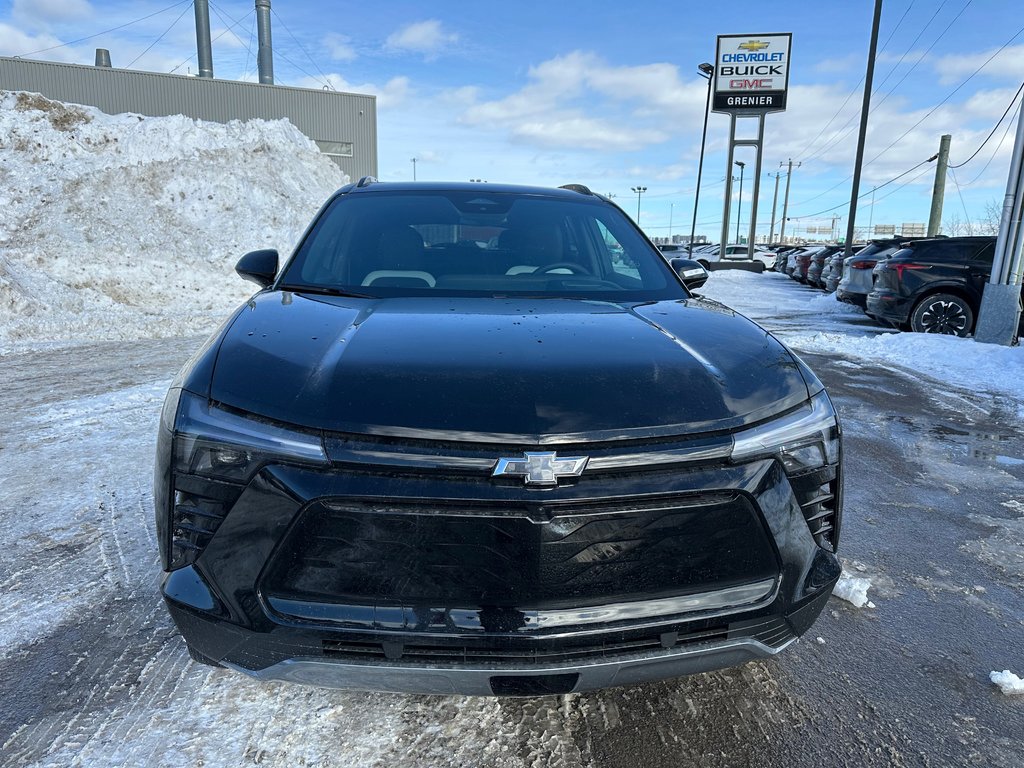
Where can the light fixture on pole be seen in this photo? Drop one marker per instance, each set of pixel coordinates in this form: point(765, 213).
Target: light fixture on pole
point(639, 191)
point(739, 206)
point(707, 71)
point(413, 160)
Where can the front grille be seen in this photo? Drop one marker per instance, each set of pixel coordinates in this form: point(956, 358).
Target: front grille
point(510, 652)
point(772, 631)
point(441, 555)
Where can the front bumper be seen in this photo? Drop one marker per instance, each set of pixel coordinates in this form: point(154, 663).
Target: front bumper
point(238, 605)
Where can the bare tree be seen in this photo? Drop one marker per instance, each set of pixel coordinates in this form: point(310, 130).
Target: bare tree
point(989, 222)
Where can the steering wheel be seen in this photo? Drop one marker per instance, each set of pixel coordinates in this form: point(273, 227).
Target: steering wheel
point(572, 266)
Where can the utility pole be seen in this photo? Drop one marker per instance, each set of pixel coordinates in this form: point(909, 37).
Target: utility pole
point(869, 77)
point(939, 190)
point(1000, 301)
point(775, 205)
point(785, 200)
point(671, 213)
point(639, 191)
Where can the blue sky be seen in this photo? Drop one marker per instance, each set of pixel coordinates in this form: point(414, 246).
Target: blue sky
point(608, 94)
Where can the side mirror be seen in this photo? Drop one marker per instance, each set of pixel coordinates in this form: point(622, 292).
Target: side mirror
point(693, 274)
point(259, 267)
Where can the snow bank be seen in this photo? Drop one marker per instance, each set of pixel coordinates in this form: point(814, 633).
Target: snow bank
point(124, 226)
point(1008, 682)
point(986, 367)
point(853, 589)
point(810, 321)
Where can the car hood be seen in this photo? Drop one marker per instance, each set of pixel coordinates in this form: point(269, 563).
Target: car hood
point(528, 370)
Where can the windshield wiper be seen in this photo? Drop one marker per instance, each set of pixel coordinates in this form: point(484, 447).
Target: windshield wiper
point(324, 290)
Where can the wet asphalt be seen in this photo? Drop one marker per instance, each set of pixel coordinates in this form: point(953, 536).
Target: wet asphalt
point(934, 516)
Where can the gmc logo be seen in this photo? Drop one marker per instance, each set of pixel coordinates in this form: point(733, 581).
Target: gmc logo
point(739, 85)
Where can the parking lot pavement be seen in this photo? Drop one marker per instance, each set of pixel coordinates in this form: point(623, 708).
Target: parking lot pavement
point(92, 672)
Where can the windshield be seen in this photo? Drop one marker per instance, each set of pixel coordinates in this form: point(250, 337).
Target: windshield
point(469, 243)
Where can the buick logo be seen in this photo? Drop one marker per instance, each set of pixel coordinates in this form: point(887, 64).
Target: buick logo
point(541, 468)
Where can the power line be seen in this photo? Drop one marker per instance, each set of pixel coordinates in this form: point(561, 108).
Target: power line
point(857, 86)
point(865, 194)
point(104, 32)
point(214, 40)
point(231, 26)
point(302, 48)
point(162, 34)
point(948, 97)
point(994, 129)
point(848, 125)
point(995, 151)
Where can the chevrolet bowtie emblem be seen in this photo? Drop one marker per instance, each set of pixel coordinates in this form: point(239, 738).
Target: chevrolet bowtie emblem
point(753, 45)
point(541, 468)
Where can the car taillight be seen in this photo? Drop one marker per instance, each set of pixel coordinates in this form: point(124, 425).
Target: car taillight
point(862, 264)
point(899, 268)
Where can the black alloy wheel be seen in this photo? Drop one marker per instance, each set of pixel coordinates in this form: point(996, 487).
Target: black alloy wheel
point(943, 313)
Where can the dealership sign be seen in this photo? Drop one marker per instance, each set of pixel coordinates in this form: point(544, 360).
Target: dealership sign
point(752, 73)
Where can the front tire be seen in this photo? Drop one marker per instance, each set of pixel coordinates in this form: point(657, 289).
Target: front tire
point(942, 313)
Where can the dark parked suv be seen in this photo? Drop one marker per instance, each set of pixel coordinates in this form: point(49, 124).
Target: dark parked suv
point(933, 285)
point(483, 439)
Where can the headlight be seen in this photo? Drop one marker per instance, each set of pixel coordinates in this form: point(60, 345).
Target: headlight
point(213, 442)
point(804, 439)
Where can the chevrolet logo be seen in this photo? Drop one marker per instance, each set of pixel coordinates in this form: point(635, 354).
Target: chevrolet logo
point(753, 45)
point(541, 468)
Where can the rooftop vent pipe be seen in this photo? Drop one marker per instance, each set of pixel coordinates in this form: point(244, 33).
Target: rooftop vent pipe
point(265, 56)
point(203, 47)
point(102, 57)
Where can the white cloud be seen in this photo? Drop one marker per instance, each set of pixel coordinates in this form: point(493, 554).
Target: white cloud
point(339, 47)
point(578, 100)
point(1007, 65)
point(390, 95)
point(15, 42)
point(42, 12)
point(427, 37)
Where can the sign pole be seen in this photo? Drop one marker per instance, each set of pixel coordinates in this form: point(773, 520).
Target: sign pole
point(727, 207)
point(757, 189)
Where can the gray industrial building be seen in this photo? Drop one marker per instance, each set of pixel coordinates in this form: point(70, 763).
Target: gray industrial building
point(343, 125)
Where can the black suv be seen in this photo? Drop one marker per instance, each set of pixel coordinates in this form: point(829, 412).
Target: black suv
point(482, 439)
point(933, 285)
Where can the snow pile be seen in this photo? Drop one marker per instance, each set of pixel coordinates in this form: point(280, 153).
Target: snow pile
point(1008, 682)
point(986, 367)
point(123, 226)
point(810, 321)
point(853, 589)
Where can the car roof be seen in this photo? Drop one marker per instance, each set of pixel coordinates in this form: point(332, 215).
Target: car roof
point(369, 185)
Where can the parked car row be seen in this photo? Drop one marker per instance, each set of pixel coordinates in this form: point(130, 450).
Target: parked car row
point(712, 252)
point(927, 285)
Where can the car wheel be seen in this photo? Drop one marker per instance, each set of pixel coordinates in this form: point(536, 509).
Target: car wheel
point(942, 313)
point(201, 658)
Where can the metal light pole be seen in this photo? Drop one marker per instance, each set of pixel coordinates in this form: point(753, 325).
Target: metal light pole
point(671, 213)
point(739, 206)
point(639, 191)
point(413, 160)
point(707, 71)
